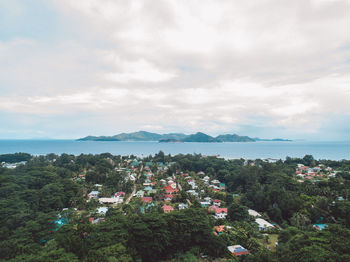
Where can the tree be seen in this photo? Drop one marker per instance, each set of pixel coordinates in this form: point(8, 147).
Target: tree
point(236, 212)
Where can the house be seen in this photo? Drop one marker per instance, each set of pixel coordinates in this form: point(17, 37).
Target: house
point(146, 199)
point(200, 173)
point(220, 213)
point(120, 194)
point(172, 184)
point(192, 192)
point(217, 202)
point(220, 229)
point(170, 190)
point(98, 185)
point(168, 197)
point(148, 188)
point(205, 203)
point(222, 186)
point(167, 208)
point(253, 213)
point(111, 200)
point(102, 210)
point(237, 250)
point(320, 227)
point(93, 194)
point(182, 206)
point(148, 164)
point(140, 193)
point(215, 181)
point(263, 224)
point(145, 208)
point(208, 199)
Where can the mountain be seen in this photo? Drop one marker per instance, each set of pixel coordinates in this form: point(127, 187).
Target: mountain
point(138, 136)
point(234, 138)
point(98, 138)
point(176, 137)
point(135, 136)
point(273, 140)
point(199, 137)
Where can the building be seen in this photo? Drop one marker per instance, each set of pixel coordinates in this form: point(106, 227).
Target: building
point(168, 197)
point(140, 193)
point(320, 226)
point(220, 213)
point(170, 190)
point(93, 194)
point(182, 206)
point(167, 208)
point(238, 250)
point(220, 229)
point(217, 202)
point(102, 210)
point(111, 200)
point(253, 213)
point(120, 194)
point(263, 224)
point(205, 203)
point(148, 188)
point(146, 199)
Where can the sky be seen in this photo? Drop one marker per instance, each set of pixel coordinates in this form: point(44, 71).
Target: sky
point(263, 68)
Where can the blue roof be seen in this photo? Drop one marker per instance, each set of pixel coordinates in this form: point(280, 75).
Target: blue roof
point(148, 188)
point(320, 226)
point(240, 249)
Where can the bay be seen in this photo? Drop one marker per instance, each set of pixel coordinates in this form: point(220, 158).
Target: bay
point(320, 150)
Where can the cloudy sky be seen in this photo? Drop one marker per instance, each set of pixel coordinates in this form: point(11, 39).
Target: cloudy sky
point(267, 68)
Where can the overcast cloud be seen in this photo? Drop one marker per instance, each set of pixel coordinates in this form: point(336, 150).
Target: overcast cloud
point(268, 68)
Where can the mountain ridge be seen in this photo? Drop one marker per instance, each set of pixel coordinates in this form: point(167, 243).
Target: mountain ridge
point(175, 137)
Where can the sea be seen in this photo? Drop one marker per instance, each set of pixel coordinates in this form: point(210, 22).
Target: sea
point(247, 150)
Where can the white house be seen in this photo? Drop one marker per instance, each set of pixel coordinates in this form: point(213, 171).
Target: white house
point(93, 194)
point(183, 206)
point(263, 224)
point(102, 210)
point(220, 213)
point(111, 200)
point(253, 213)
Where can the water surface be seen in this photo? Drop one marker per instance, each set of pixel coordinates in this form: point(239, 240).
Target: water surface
point(320, 150)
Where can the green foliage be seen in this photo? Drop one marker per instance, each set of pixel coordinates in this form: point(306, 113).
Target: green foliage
point(32, 197)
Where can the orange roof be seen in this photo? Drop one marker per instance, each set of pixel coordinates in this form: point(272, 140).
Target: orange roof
point(220, 228)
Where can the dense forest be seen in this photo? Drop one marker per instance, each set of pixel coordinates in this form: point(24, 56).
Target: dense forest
point(36, 196)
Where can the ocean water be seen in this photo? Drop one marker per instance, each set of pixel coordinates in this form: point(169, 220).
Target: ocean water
point(320, 150)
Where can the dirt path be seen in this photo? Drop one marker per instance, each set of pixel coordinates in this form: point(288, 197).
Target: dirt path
point(134, 190)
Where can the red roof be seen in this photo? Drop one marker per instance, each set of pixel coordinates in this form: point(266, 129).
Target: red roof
point(146, 199)
point(170, 190)
point(120, 194)
point(167, 208)
point(217, 201)
point(169, 196)
point(221, 210)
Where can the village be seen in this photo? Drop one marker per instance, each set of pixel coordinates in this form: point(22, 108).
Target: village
point(154, 189)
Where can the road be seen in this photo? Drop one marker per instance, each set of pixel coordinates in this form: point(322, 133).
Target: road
point(134, 190)
point(180, 188)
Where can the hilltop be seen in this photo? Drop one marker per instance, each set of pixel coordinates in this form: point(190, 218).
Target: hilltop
point(175, 137)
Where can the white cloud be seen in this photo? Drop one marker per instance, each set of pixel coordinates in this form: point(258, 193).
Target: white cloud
point(186, 65)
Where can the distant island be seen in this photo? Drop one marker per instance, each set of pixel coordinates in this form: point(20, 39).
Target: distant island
point(176, 138)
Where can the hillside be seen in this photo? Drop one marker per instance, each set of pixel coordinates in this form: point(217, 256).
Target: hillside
point(176, 137)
